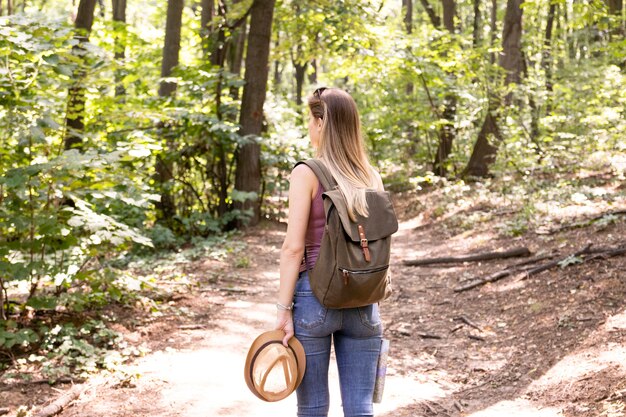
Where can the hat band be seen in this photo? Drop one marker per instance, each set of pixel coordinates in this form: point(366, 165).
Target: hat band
point(291, 383)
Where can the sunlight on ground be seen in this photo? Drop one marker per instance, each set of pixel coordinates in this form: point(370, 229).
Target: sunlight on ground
point(402, 391)
point(207, 379)
point(572, 371)
point(517, 408)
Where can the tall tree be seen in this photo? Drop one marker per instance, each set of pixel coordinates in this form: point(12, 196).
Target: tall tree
point(171, 50)
point(76, 94)
point(206, 20)
point(432, 15)
point(407, 8)
point(119, 20)
point(615, 10)
point(546, 59)
point(248, 174)
point(446, 132)
point(171, 47)
point(476, 24)
point(512, 62)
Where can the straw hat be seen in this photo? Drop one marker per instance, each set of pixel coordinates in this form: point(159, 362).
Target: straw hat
point(272, 370)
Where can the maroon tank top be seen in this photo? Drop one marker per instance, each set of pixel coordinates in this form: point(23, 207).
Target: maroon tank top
point(314, 230)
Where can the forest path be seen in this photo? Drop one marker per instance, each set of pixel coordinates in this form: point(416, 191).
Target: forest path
point(553, 345)
point(199, 372)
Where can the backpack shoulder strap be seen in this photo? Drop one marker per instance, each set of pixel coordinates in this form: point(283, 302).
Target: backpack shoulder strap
point(322, 173)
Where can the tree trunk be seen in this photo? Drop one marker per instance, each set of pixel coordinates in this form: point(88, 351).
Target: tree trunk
point(407, 7)
point(615, 9)
point(449, 11)
point(76, 94)
point(300, 73)
point(218, 48)
point(119, 18)
point(171, 47)
point(546, 59)
point(236, 56)
point(476, 24)
point(313, 74)
point(446, 132)
point(512, 61)
point(277, 69)
point(9, 7)
point(248, 174)
point(484, 153)
point(206, 17)
point(434, 19)
point(493, 24)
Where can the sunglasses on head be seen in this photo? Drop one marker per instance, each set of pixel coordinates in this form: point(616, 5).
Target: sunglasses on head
point(318, 92)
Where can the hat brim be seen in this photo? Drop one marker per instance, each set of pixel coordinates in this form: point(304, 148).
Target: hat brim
point(274, 336)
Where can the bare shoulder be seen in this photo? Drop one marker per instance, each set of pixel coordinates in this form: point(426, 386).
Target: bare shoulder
point(303, 178)
point(303, 173)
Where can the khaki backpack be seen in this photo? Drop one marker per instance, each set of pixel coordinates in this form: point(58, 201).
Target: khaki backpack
point(351, 269)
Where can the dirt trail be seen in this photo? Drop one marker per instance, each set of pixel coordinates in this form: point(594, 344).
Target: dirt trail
point(200, 372)
point(553, 345)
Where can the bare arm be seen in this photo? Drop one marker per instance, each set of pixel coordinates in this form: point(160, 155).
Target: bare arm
point(302, 188)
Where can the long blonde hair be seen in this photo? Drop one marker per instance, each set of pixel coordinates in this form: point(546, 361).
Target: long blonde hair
point(341, 146)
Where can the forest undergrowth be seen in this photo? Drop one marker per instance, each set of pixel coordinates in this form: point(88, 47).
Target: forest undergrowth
point(547, 212)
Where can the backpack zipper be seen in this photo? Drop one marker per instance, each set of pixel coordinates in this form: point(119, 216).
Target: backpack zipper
point(346, 272)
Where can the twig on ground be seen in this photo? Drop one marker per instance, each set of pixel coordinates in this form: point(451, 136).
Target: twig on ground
point(486, 256)
point(428, 336)
point(476, 337)
point(464, 319)
point(66, 399)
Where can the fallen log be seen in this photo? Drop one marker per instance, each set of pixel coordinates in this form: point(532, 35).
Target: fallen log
point(485, 256)
point(534, 270)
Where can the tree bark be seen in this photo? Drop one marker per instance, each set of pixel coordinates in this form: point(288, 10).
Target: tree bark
point(171, 47)
point(447, 132)
point(615, 9)
point(434, 19)
point(313, 74)
point(546, 58)
point(248, 174)
point(76, 94)
point(493, 24)
point(300, 73)
point(476, 24)
point(236, 56)
point(407, 6)
point(119, 18)
point(449, 11)
point(484, 153)
point(206, 18)
point(512, 61)
point(277, 68)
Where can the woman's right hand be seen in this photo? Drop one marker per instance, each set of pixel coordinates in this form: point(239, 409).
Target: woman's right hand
point(284, 322)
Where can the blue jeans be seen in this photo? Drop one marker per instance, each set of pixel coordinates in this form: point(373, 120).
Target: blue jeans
point(357, 334)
